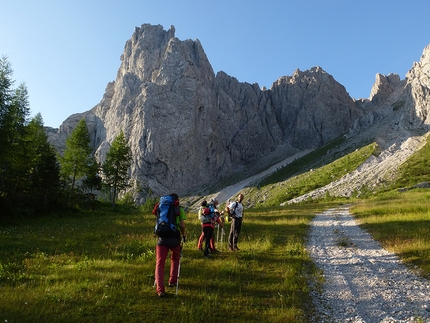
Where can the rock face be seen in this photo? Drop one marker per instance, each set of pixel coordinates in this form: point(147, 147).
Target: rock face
point(383, 87)
point(416, 96)
point(188, 127)
point(312, 108)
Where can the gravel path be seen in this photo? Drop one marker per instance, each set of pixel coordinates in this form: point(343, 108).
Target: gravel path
point(363, 281)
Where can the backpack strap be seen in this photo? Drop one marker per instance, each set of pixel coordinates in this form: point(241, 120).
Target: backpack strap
point(234, 209)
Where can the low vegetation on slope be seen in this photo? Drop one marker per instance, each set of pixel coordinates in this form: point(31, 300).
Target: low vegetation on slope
point(416, 169)
point(277, 193)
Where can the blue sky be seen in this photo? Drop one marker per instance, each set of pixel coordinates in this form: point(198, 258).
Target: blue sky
point(67, 51)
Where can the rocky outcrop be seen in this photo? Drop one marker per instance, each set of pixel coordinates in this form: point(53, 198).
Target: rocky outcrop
point(312, 108)
point(384, 85)
point(188, 127)
point(416, 96)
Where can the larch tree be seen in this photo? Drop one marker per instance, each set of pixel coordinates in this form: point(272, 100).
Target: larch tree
point(115, 168)
point(29, 170)
point(78, 156)
point(44, 174)
point(14, 111)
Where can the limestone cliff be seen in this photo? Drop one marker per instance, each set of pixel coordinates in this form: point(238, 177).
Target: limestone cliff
point(188, 127)
point(416, 96)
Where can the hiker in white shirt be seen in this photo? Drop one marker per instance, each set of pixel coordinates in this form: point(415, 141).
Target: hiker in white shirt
point(235, 211)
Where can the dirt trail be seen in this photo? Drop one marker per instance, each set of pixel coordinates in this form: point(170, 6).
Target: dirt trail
point(363, 281)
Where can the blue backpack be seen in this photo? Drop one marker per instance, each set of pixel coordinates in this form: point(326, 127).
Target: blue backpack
point(166, 218)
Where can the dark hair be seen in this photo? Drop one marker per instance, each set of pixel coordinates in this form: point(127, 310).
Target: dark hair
point(204, 203)
point(174, 196)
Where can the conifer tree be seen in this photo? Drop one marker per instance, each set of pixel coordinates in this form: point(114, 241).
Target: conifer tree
point(115, 168)
point(77, 158)
point(44, 174)
point(14, 111)
point(93, 181)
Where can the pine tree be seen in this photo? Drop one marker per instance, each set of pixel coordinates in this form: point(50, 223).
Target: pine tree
point(115, 168)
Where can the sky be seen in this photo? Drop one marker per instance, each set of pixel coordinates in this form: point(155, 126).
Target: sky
point(66, 52)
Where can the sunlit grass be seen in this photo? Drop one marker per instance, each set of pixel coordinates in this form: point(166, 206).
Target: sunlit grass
point(98, 267)
point(280, 190)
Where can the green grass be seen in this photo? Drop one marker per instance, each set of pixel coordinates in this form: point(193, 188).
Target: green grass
point(302, 164)
point(99, 267)
point(416, 169)
point(275, 194)
point(401, 222)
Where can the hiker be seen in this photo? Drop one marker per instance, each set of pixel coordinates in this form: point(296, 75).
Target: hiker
point(202, 236)
point(209, 216)
point(235, 211)
point(172, 243)
point(203, 209)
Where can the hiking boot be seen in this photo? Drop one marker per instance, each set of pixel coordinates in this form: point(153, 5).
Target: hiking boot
point(172, 284)
point(206, 253)
point(236, 248)
point(162, 294)
point(231, 248)
point(214, 251)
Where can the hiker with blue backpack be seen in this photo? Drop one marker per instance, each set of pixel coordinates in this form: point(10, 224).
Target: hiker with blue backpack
point(235, 212)
point(169, 228)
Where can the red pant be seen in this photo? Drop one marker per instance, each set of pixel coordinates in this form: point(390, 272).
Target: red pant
point(161, 256)
point(202, 238)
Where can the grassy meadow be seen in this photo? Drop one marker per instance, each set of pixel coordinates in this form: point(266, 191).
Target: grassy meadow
point(99, 267)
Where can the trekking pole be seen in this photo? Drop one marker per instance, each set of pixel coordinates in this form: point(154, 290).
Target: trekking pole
point(222, 235)
point(217, 233)
point(179, 271)
point(155, 277)
point(233, 223)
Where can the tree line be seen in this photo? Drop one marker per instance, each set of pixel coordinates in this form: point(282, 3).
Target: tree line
point(34, 177)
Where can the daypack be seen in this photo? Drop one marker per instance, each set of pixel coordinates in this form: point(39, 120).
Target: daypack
point(232, 213)
point(206, 214)
point(166, 218)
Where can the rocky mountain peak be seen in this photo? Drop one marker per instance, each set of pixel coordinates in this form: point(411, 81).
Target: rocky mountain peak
point(416, 96)
point(188, 128)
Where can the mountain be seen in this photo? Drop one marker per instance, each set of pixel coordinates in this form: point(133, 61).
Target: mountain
point(190, 128)
point(397, 119)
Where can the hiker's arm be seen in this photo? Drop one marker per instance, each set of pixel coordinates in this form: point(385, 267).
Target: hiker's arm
point(182, 227)
point(228, 210)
